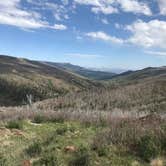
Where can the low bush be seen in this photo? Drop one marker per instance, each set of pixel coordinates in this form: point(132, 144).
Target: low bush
point(163, 140)
point(80, 158)
point(39, 119)
point(61, 131)
point(47, 159)
point(15, 125)
point(100, 144)
point(48, 118)
point(3, 161)
point(57, 119)
point(34, 149)
point(148, 148)
point(102, 151)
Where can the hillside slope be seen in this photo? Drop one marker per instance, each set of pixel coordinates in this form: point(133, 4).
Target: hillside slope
point(22, 77)
point(139, 91)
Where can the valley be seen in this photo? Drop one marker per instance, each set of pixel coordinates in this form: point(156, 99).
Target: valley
point(50, 115)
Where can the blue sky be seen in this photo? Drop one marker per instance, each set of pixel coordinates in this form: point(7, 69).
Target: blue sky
point(128, 34)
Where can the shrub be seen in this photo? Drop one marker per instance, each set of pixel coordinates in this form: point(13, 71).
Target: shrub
point(61, 131)
point(81, 158)
point(86, 123)
point(163, 143)
point(44, 118)
point(34, 149)
point(102, 151)
point(163, 140)
point(100, 144)
point(47, 159)
point(3, 161)
point(147, 148)
point(57, 119)
point(102, 122)
point(39, 119)
point(15, 125)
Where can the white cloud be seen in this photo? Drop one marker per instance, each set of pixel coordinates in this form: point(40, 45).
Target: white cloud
point(59, 11)
point(104, 21)
point(59, 27)
point(113, 6)
point(156, 53)
point(118, 26)
point(88, 2)
point(135, 7)
point(148, 34)
point(65, 2)
point(104, 9)
point(11, 13)
point(162, 6)
point(104, 37)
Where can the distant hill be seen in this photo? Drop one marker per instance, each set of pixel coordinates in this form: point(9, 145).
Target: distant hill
point(91, 74)
point(21, 77)
point(147, 74)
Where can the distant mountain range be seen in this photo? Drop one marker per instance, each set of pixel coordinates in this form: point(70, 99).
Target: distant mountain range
point(89, 73)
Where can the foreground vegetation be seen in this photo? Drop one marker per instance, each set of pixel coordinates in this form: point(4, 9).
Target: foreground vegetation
point(146, 97)
point(120, 126)
point(55, 140)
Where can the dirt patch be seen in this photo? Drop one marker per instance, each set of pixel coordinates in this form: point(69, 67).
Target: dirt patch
point(7, 143)
point(6, 133)
point(26, 163)
point(17, 132)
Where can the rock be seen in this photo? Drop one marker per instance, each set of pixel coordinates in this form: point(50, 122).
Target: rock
point(26, 163)
point(70, 149)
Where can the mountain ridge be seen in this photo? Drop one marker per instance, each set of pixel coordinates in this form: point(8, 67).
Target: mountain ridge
point(20, 76)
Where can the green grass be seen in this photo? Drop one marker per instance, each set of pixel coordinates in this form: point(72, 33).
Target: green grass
point(14, 125)
point(46, 142)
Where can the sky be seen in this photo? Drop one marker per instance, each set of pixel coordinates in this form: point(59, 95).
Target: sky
point(126, 34)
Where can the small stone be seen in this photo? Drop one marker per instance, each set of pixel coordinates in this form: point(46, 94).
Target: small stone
point(70, 149)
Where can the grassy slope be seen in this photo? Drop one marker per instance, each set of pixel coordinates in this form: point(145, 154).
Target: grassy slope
point(19, 77)
point(138, 91)
point(149, 96)
point(76, 135)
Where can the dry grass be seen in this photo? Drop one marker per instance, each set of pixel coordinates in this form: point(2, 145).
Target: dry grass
point(139, 98)
point(108, 105)
point(157, 162)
